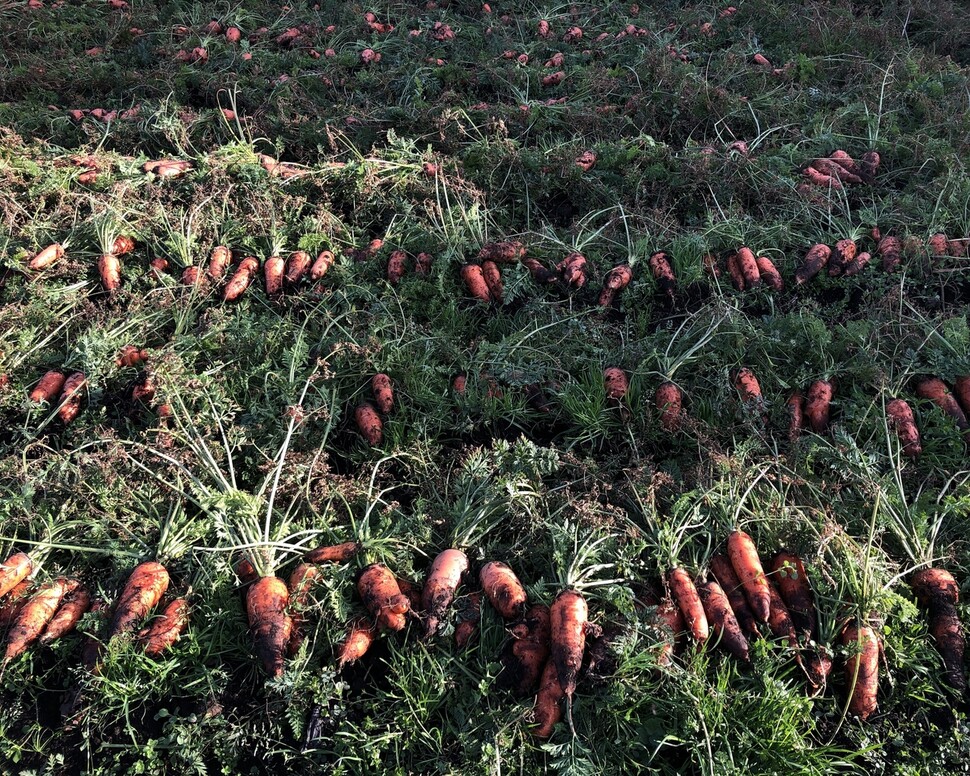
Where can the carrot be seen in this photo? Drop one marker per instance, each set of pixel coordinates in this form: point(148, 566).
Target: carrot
point(569, 621)
point(848, 164)
point(615, 281)
point(493, 279)
point(131, 356)
point(323, 263)
point(266, 603)
point(957, 248)
point(13, 571)
point(938, 245)
point(685, 594)
point(816, 258)
point(123, 244)
point(159, 266)
point(396, 265)
point(526, 654)
point(439, 588)
point(779, 619)
point(422, 263)
point(818, 178)
point(845, 251)
point(412, 591)
point(788, 574)
point(748, 266)
point(219, 261)
point(548, 708)
point(817, 664)
point(246, 571)
point(110, 269)
point(302, 578)
point(722, 620)
point(383, 392)
point(48, 256)
point(369, 424)
point(297, 265)
point(165, 629)
point(93, 647)
point(273, 272)
point(49, 387)
point(361, 634)
point(14, 603)
point(747, 565)
point(382, 596)
point(891, 251)
point(868, 165)
point(71, 397)
point(769, 274)
point(938, 590)
point(144, 589)
point(34, 616)
point(459, 384)
point(240, 281)
point(663, 272)
point(734, 270)
point(859, 263)
point(616, 382)
point(76, 602)
point(726, 577)
point(818, 405)
point(503, 588)
point(902, 420)
point(669, 615)
point(838, 168)
point(475, 282)
point(538, 271)
point(669, 401)
point(192, 276)
point(861, 669)
point(962, 389)
point(337, 553)
point(470, 616)
point(935, 390)
point(572, 269)
point(750, 391)
point(796, 415)
point(502, 252)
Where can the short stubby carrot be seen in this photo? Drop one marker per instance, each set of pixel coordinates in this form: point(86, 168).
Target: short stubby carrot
point(770, 274)
point(335, 553)
point(48, 256)
point(902, 420)
point(493, 279)
point(663, 272)
point(747, 565)
point(748, 266)
point(526, 654)
point(241, 279)
point(297, 265)
point(734, 270)
point(502, 252)
point(816, 258)
point(122, 244)
point(548, 709)
point(439, 588)
point(109, 267)
point(818, 405)
point(396, 266)
point(616, 382)
point(572, 269)
point(503, 589)
point(322, 264)
point(475, 282)
point(145, 587)
point(937, 590)
point(272, 627)
point(369, 423)
point(219, 261)
point(383, 391)
point(361, 635)
point(749, 389)
point(669, 402)
point(72, 395)
point(273, 269)
point(845, 251)
point(49, 387)
point(890, 249)
point(615, 281)
point(383, 598)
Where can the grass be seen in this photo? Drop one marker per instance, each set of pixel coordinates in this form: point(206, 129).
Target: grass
point(439, 147)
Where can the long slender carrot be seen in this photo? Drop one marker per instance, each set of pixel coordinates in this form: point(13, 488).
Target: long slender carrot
point(503, 588)
point(770, 274)
point(361, 635)
point(684, 593)
point(747, 565)
point(818, 405)
point(734, 270)
point(109, 267)
point(939, 591)
point(861, 669)
point(727, 578)
point(71, 397)
point(266, 603)
point(934, 389)
point(73, 607)
point(48, 256)
point(165, 629)
point(669, 402)
point(34, 616)
point(722, 620)
point(548, 708)
point(439, 588)
point(493, 279)
point(336, 553)
point(14, 570)
point(382, 596)
point(144, 589)
point(796, 415)
point(14, 602)
point(502, 252)
point(901, 419)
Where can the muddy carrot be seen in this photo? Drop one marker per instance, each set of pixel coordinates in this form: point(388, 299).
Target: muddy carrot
point(272, 627)
point(273, 273)
point(475, 282)
point(722, 620)
point(962, 389)
point(144, 589)
point(939, 591)
point(901, 419)
point(240, 281)
point(109, 268)
point(663, 272)
point(297, 265)
point(548, 708)
point(861, 669)
point(493, 279)
point(48, 256)
point(796, 415)
point(669, 401)
point(14, 570)
point(779, 619)
point(525, 656)
point(891, 251)
point(440, 586)
point(725, 575)
point(302, 579)
point(10, 607)
point(569, 621)
point(788, 575)
point(770, 274)
point(572, 269)
point(336, 553)
point(131, 355)
point(816, 258)
point(503, 588)
point(818, 405)
point(396, 266)
point(749, 389)
point(845, 251)
point(71, 397)
point(470, 615)
point(34, 616)
point(324, 261)
point(616, 382)
point(219, 261)
point(165, 629)
point(615, 281)
point(73, 607)
point(734, 270)
point(369, 424)
point(935, 390)
point(502, 252)
point(383, 391)
point(859, 263)
point(748, 266)
point(49, 387)
point(383, 598)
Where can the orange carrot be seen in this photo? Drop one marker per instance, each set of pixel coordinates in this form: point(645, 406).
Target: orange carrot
point(493, 279)
point(246, 571)
point(361, 634)
point(34, 616)
point(669, 401)
point(71, 397)
point(192, 276)
point(13, 571)
point(110, 269)
point(240, 281)
point(726, 577)
point(48, 256)
point(412, 591)
point(123, 244)
point(859, 263)
point(396, 265)
point(891, 251)
point(821, 179)
point(503, 588)
point(502, 252)
point(273, 273)
point(131, 356)
point(337, 553)
point(685, 594)
point(569, 621)
point(816, 258)
point(935, 390)
point(668, 614)
point(297, 265)
point(538, 271)
point(861, 669)
point(734, 270)
point(572, 269)
point(369, 424)
point(938, 245)
point(76, 603)
point(747, 565)
point(818, 405)
point(616, 383)
point(14, 602)
point(750, 391)
point(459, 384)
point(663, 272)
point(475, 282)
point(49, 387)
point(769, 274)
point(962, 389)
point(548, 708)
point(526, 655)
point(722, 620)
point(939, 591)
point(266, 603)
point(470, 615)
point(748, 266)
point(788, 574)
point(958, 248)
point(838, 168)
point(383, 597)
point(615, 281)
point(383, 392)
point(902, 420)
point(845, 251)
point(302, 578)
point(144, 589)
point(796, 415)
point(779, 619)
point(324, 261)
point(817, 663)
point(439, 588)
point(165, 629)
point(848, 164)
point(219, 261)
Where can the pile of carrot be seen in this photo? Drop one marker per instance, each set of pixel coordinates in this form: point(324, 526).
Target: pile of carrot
point(839, 168)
